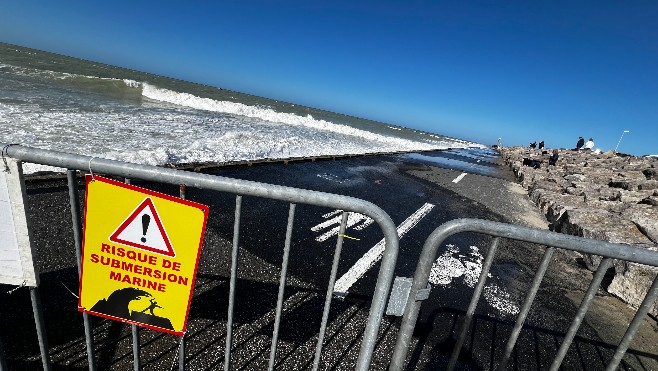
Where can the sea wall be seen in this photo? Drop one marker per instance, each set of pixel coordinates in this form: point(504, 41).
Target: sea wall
point(601, 196)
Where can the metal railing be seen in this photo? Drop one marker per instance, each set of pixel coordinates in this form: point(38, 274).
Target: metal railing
point(553, 240)
point(74, 163)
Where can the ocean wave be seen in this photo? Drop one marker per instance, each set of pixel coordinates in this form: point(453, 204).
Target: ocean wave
point(103, 84)
point(268, 114)
point(135, 121)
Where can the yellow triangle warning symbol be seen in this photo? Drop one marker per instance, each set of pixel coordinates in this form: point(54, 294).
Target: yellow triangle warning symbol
point(143, 229)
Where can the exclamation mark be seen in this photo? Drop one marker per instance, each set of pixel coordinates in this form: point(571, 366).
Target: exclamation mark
point(146, 219)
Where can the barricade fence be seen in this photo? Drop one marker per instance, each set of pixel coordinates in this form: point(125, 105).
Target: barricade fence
point(416, 289)
point(74, 163)
point(610, 252)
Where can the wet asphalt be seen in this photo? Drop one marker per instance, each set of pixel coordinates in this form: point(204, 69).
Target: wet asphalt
point(384, 180)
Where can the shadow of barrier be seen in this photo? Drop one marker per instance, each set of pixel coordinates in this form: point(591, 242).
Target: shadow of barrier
point(413, 292)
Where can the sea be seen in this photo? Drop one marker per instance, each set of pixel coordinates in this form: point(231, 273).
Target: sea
point(67, 104)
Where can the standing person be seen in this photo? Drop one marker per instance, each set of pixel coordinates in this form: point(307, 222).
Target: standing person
point(590, 144)
point(580, 143)
point(541, 144)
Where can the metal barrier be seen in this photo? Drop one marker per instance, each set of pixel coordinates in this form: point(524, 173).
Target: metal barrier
point(73, 162)
point(610, 251)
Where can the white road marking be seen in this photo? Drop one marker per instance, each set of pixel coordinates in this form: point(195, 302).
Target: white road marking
point(352, 220)
point(375, 253)
point(460, 177)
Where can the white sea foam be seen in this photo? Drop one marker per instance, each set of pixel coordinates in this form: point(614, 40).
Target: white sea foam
point(268, 114)
point(452, 265)
point(175, 127)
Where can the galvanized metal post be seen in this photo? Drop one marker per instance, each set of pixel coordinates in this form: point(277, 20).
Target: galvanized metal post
point(330, 291)
point(74, 201)
point(582, 310)
point(645, 307)
point(380, 296)
point(182, 190)
point(282, 286)
point(486, 266)
point(134, 330)
point(41, 328)
point(3, 364)
point(234, 274)
point(525, 309)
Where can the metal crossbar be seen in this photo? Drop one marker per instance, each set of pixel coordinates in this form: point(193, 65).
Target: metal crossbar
point(553, 240)
point(73, 162)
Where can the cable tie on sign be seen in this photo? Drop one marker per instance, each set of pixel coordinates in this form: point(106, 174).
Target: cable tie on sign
point(352, 238)
point(67, 289)
point(23, 284)
point(91, 172)
point(5, 154)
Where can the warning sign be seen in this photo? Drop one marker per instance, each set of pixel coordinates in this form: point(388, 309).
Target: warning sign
point(140, 255)
point(135, 231)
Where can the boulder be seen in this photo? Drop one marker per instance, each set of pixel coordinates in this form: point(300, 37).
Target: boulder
point(547, 184)
point(602, 194)
point(651, 173)
point(632, 197)
point(648, 185)
point(575, 177)
point(601, 225)
point(632, 285)
point(559, 204)
point(601, 176)
point(627, 184)
point(651, 200)
point(614, 207)
point(645, 218)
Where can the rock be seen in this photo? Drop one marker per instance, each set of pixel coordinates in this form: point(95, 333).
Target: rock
point(602, 194)
point(648, 185)
point(645, 218)
point(632, 284)
point(575, 177)
point(631, 197)
point(651, 200)
point(651, 173)
point(559, 204)
point(632, 174)
point(601, 225)
point(607, 197)
point(614, 207)
point(627, 184)
point(610, 153)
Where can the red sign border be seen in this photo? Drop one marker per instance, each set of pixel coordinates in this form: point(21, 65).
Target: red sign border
point(204, 208)
point(148, 202)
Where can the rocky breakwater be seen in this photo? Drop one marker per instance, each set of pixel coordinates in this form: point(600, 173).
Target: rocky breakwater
point(601, 196)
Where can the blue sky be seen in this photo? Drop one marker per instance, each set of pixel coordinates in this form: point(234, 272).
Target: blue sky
point(478, 70)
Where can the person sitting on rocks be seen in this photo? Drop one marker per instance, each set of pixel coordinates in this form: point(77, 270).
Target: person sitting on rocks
point(541, 144)
point(533, 145)
point(580, 143)
point(553, 159)
point(590, 144)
